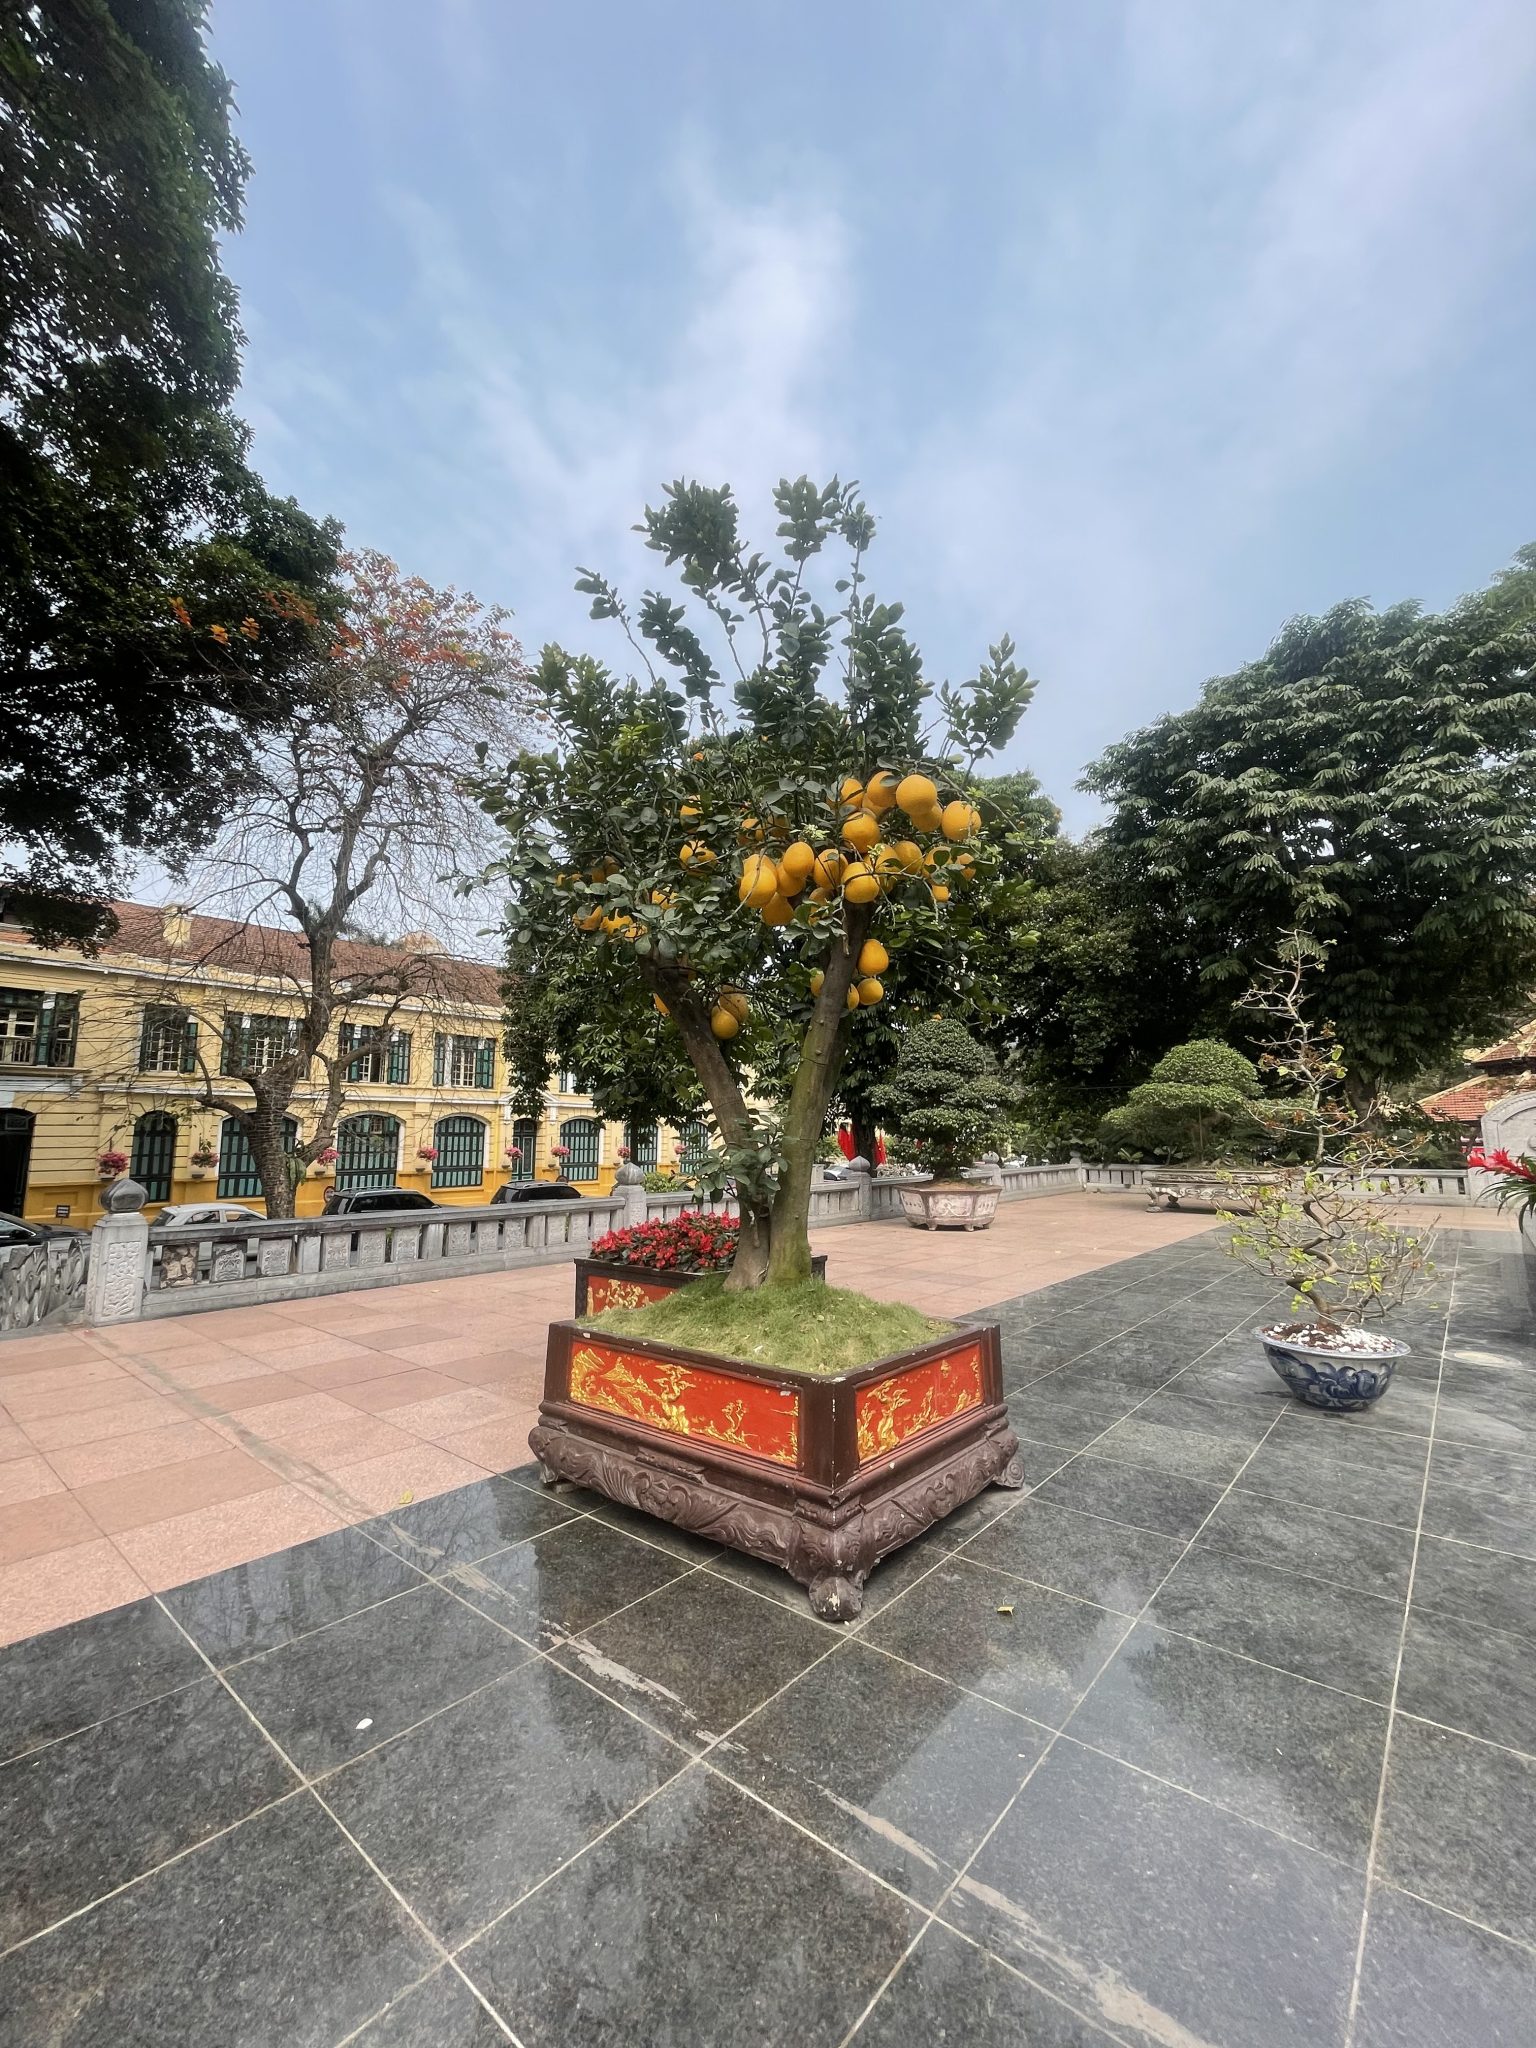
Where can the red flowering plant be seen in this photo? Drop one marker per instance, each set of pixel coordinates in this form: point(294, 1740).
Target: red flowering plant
point(1515, 1176)
point(695, 1242)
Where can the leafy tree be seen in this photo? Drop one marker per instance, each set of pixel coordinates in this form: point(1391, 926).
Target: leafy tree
point(760, 877)
point(627, 1059)
point(946, 1098)
point(1372, 782)
point(1197, 1092)
point(124, 487)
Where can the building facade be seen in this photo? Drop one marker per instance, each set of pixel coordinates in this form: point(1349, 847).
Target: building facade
point(114, 1056)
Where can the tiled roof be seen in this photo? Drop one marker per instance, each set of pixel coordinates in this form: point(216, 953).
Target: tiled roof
point(193, 942)
point(1520, 1045)
point(1468, 1100)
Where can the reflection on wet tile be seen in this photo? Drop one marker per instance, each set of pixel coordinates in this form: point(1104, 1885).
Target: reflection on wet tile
point(1165, 1918)
point(468, 1523)
point(563, 1582)
point(1107, 1562)
point(469, 1810)
point(900, 1770)
point(279, 1921)
point(949, 1991)
point(1273, 1748)
point(1164, 1502)
point(1026, 1648)
point(346, 1688)
point(1429, 1980)
point(1468, 1677)
point(256, 1606)
point(1479, 1585)
point(662, 1658)
point(87, 1814)
point(52, 1684)
point(1333, 1634)
point(1459, 1827)
point(595, 1957)
point(1341, 1548)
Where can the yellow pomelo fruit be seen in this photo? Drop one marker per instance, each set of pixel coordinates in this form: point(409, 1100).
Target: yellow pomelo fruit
point(861, 831)
point(759, 880)
point(817, 978)
point(940, 892)
point(853, 999)
point(851, 790)
point(863, 888)
point(880, 792)
point(870, 992)
point(789, 882)
point(956, 820)
point(778, 910)
point(915, 793)
point(733, 1000)
point(797, 860)
point(723, 1024)
point(661, 1006)
point(689, 811)
point(696, 854)
point(749, 831)
point(589, 923)
point(828, 869)
point(615, 921)
point(910, 854)
point(873, 958)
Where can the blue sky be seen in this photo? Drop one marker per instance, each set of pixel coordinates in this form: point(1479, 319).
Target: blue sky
point(1143, 325)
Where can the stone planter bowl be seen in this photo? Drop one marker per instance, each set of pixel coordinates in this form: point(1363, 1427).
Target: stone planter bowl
point(949, 1204)
point(1324, 1378)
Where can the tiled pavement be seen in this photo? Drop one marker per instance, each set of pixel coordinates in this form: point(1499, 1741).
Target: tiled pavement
point(133, 1459)
point(1224, 1733)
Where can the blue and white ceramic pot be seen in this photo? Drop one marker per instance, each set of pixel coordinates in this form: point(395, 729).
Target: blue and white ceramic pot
point(1339, 1380)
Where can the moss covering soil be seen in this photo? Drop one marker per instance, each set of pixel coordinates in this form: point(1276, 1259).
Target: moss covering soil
point(811, 1328)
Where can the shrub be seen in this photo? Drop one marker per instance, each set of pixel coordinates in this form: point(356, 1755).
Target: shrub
point(946, 1098)
point(1196, 1093)
point(695, 1242)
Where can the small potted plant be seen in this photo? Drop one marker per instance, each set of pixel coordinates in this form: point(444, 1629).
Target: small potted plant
point(560, 1154)
point(323, 1160)
point(110, 1163)
point(204, 1157)
point(1318, 1227)
point(946, 1100)
point(426, 1153)
point(1514, 1185)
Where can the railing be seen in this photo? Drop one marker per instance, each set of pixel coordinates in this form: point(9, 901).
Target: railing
point(42, 1283)
point(200, 1266)
point(666, 1205)
point(1394, 1183)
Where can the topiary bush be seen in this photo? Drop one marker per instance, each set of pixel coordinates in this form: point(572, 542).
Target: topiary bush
point(1196, 1094)
point(946, 1099)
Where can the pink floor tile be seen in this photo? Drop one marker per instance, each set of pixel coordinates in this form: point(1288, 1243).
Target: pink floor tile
point(449, 1412)
point(444, 1352)
point(47, 1592)
point(495, 1445)
point(379, 1484)
point(130, 1502)
point(335, 1444)
point(77, 1400)
point(13, 1444)
point(62, 1432)
point(333, 1373)
point(21, 1355)
point(398, 1389)
point(212, 1539)
point(27, 1479)
point(252, 1390)
point(145, 1451)
point(273, 1421)
point(315, 1348)
point(52, 1521)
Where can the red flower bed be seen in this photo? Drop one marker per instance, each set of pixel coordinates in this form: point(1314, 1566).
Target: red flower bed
point(694, 1242)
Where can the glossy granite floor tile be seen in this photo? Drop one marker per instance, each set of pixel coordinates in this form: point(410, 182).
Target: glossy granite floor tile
point(345, 1688)
point(470, 1810)
point(1474, 1679)
point(1165, 1918)
point(951, 1991)
point(97, 1809)
point(1430, 1980)
point(1166, 1503)
point(567, 1580)
point(1459, 1827)
point(441, 2012)
point(1318, 1544)
point(275, 1934)
point(1273, 1748)
point(265, 1603)
point(902, 1771)
point(69, 1678)
point(666, 1658)
point(1485, 1586)
point(1016, 1644)
point(1109, 1563)
point(1353, 1482)
point(594, 1958)
point(469, 1523)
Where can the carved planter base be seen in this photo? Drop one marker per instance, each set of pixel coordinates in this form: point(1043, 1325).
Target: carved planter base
point(949, 1205)
point(822, 1476)
point(609, 1283)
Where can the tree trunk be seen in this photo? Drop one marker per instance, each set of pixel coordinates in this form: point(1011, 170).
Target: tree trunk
point(866, 1133)
point(264, 1131)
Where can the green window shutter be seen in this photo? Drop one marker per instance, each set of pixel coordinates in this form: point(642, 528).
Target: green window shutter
point(189, 1045)
point(485, 1063)
point(399, 1058)
point(439, 1059)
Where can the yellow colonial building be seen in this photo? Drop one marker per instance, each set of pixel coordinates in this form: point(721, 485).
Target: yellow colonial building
point(113, 1056)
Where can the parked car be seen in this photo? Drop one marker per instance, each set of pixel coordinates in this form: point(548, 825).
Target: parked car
point(176, 1214)
point(15, 1231)
point(371, 1201)
point(537, 1191)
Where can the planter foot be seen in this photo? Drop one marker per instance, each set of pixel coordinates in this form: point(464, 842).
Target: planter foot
point(836, 1598)
point(1012, 1474)
point(548, 1475)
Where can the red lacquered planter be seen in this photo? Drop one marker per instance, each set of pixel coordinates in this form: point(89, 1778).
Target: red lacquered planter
point(821, 1475)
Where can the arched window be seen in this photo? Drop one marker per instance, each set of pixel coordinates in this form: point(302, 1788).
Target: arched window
point(525, 1136)
point(582, 1137)
point(367, 1151)
point(154, 1154)
point(641, 1140)
point(238, 1178)
point(460, 1161)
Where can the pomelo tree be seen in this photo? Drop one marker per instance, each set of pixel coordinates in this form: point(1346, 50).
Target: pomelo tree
point(750, 830)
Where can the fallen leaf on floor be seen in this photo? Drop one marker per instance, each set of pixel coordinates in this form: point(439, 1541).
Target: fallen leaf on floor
point(1005, 1610)
point(406, 1498)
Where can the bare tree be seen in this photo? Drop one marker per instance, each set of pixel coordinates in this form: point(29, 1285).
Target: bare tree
point(337, 881)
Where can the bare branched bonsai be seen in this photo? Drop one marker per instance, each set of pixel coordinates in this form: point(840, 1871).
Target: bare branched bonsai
point(1317, 1227)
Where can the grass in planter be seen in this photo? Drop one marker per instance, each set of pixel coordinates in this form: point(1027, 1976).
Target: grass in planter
point(809, 1328)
